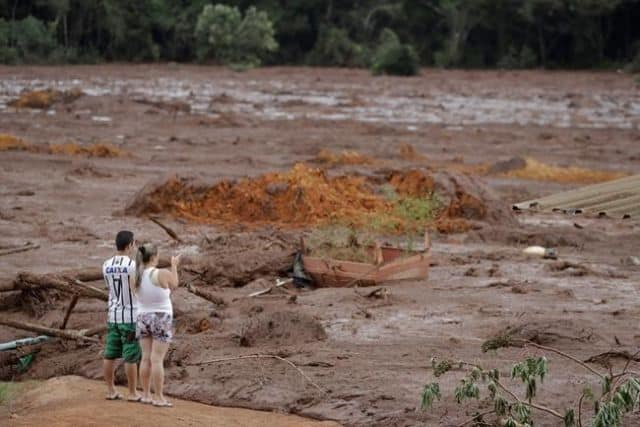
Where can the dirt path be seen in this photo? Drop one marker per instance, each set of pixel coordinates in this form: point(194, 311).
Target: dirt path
point(74, 401)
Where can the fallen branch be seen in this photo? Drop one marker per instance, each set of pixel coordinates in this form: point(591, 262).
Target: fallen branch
point(600, 358)
point(91, 290)
point(217, 300)
point(376, 293)
point(263, 356)
point(72, 304)
point(94, 331)
point(529, 404)
point(565, 355)
point(260, 292)
point(476, 417)
point(52, 332)
point(32, 281)
point(278, 284)
point(90, 274)
point(166, 228)
point(27, 247)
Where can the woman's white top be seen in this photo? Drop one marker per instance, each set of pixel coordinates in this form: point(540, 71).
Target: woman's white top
point(152, 298)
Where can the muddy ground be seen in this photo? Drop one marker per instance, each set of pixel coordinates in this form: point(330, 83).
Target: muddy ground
point(371, 356)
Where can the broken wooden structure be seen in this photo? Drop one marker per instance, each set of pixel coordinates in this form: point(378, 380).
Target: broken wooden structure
point(391, 263)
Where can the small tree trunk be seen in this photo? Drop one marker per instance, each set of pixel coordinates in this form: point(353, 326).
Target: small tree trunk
point(52, 332)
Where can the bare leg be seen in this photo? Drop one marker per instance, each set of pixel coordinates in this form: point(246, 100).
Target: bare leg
point(158, 351)
point(145, 368)
point(109, 366)
point(131, 369)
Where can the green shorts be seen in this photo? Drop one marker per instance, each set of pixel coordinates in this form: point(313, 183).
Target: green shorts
point(122, 343)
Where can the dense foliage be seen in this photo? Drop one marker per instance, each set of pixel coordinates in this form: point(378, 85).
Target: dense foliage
point(224, 35)
point(448, 33)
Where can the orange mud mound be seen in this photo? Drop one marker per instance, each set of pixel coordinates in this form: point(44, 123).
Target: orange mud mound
point(41, 99)
point(12, 143)
point(347, 157)
point(301, 196)
point(75, 401)
point(306, 196)
point(413, 183)
point(538, 171)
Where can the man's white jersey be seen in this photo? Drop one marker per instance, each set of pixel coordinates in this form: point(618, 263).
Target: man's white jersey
point(117, 272)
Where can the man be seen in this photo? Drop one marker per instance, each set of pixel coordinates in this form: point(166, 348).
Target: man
point(119, 272)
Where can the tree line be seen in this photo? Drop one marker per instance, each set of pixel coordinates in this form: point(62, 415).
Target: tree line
point(388, 36)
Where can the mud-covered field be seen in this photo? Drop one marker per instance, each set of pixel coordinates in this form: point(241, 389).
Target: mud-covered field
point(101, 158)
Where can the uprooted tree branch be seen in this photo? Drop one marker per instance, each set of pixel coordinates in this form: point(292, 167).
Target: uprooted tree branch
point(620, 391)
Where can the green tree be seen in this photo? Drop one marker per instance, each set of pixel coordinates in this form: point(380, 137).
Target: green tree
point(222, 34)
point(334, 47)
point(394, 57)
point(33, 41)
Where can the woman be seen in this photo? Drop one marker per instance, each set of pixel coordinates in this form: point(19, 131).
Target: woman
point(155, 315)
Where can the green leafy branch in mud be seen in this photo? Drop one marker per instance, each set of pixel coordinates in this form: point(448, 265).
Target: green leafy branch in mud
point(409, 213)
point(620, 391)
point(349, 242)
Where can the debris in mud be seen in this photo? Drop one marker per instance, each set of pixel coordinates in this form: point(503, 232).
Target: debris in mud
point(539, 251)
point(467, 197)
point(631, 261)
point(545, 333)
point(12, 143)
point(347, 157)
point(281, 328)
point(538, 171)
point(579, 270)
point(42, 99)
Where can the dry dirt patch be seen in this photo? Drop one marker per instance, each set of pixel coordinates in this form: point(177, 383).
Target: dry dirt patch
point(71, 400)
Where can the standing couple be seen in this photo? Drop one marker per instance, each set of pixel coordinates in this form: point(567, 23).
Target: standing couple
point(139, 326)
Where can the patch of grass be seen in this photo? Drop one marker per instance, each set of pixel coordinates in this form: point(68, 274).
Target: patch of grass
point(408, 216)
point(417, 211)
point(339, 241)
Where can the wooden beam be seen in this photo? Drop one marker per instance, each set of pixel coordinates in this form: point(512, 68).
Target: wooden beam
point(52, 332)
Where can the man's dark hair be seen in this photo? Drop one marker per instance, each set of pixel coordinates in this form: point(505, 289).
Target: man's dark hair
point(123, 239)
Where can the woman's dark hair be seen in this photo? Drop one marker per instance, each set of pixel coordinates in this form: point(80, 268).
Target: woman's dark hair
point(143, 256)
point(123, 239)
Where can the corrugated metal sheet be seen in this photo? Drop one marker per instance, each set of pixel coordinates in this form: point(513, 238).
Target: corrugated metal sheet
point(616, 199)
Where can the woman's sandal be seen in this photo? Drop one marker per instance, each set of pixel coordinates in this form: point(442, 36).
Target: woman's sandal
point(146, 401)
point(165, 404)
point(114, 396)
